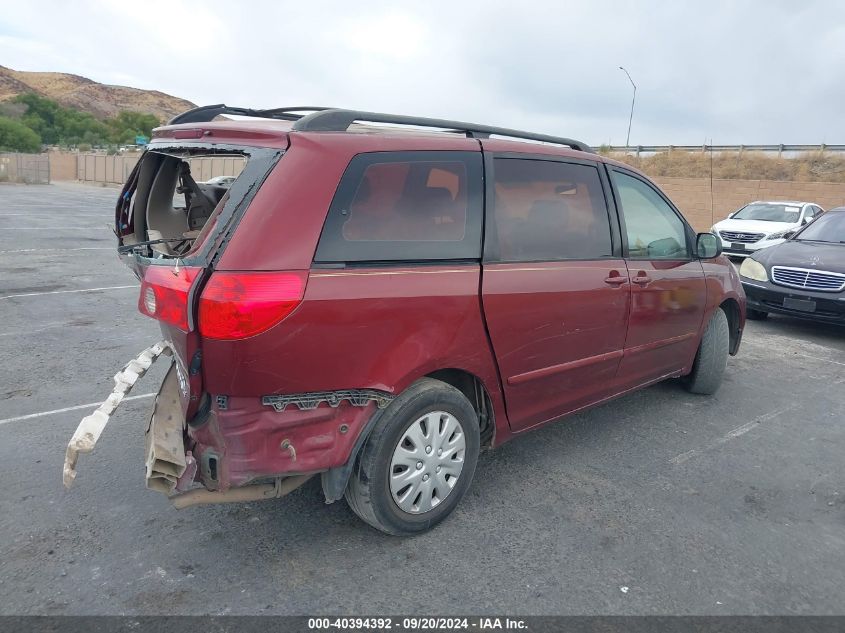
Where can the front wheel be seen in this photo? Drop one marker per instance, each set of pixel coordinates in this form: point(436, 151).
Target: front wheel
point(418, 461)
point(712, 356)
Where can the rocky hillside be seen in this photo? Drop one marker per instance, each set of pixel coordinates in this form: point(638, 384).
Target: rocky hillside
point(101, 100)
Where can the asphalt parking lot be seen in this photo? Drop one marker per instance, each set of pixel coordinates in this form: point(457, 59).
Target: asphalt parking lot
point(659, 502)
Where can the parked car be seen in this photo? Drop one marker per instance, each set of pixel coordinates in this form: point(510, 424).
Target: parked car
point(762, 224)
point(803, 277)
point(375, 307)
point(221, 181)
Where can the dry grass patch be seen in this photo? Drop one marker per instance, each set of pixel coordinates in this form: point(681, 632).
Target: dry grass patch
point(808, 167)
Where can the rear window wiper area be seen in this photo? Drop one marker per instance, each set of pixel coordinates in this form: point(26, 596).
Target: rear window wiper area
point(130, 248)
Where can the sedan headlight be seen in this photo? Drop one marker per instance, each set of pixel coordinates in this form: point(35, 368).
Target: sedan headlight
point(779, 235)
point(752, 269)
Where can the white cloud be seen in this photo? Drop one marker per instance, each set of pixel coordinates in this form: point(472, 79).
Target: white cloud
point(736, 72)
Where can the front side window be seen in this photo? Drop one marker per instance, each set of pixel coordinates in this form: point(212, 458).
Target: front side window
point(549, 210)
point(653, 229)
point(412, 206)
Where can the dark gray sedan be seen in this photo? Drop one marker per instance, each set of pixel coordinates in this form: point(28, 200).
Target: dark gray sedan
point(802, 277)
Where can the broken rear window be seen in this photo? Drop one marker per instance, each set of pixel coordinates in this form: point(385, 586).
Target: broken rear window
point(175, 194)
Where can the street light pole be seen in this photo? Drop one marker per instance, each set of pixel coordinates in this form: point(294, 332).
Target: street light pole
point(633, 99)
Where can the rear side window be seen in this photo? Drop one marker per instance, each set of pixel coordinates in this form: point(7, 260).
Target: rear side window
point(405, 206)
point(548, 210)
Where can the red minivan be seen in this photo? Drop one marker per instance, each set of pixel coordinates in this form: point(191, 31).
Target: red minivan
point(377, 297)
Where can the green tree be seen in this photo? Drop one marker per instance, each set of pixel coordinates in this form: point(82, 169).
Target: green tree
point(60, 126)
point(127, 125)
point(17, 137)
point(56, 125)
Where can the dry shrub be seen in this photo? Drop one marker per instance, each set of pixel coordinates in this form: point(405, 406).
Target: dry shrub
point(808, 167)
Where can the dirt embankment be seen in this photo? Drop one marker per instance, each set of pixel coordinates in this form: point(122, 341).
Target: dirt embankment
point(807, 167)
point(101, 100)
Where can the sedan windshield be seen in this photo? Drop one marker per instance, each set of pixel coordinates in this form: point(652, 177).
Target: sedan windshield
point(769, 212)
point(830, 227)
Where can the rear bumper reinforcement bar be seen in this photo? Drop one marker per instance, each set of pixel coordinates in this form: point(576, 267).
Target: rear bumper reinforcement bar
point(91, 427)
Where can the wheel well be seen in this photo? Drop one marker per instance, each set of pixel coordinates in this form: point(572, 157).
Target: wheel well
point(474, 390)
point(731, 309)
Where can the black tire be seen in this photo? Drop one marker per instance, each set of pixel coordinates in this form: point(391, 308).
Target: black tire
point(756, 315)
point(368, 492)
point(712, 356)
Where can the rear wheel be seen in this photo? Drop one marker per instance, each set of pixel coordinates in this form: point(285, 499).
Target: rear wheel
point(418, 461)
point(712, 356)
point(756, 315)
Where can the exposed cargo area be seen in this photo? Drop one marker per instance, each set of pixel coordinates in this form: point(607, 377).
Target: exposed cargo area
point(165, 206)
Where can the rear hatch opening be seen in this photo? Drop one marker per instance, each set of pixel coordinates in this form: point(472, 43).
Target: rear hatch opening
point(173, 218)
point(170, 197)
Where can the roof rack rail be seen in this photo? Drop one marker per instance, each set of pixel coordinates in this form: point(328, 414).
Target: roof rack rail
point(338, 120)
point(203, 114)
point(323, 119)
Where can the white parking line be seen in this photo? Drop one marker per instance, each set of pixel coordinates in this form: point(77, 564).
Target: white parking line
point(825, 360)
point(59, 292)
point(91, 405)
point(45, 250)
point(46, 326)
point(733, 434)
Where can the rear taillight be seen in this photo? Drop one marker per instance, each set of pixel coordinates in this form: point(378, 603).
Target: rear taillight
point(164, 293)
point(238, 305)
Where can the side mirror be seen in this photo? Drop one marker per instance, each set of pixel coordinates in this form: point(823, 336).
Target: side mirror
point(805, 220)
point(707, 246)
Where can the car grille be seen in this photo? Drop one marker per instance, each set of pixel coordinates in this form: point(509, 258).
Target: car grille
point(809, 279)
point(745, 238)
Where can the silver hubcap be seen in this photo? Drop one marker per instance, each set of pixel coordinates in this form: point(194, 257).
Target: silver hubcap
point(427, 462)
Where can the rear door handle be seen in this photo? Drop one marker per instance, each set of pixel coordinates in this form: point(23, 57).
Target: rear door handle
point(642, 279)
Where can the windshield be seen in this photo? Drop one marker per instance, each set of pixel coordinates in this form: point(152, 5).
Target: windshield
point(769, 212)
point(830, 227)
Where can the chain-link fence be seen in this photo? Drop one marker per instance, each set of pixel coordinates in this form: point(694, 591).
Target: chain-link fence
point(33, 169)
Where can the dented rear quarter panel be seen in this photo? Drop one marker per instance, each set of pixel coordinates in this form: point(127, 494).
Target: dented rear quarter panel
point(377, 328)
point(253, 441)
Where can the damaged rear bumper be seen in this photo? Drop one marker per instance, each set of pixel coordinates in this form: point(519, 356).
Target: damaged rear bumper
point(166, 464)
point(237, 448)
point(91, 427)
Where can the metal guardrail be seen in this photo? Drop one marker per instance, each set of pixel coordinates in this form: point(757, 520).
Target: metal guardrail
point(779, 149)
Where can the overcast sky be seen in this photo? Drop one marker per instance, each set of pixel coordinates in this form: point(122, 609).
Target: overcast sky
point(735, 72)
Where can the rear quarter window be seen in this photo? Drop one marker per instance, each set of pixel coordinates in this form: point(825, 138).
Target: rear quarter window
point(405, 206)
